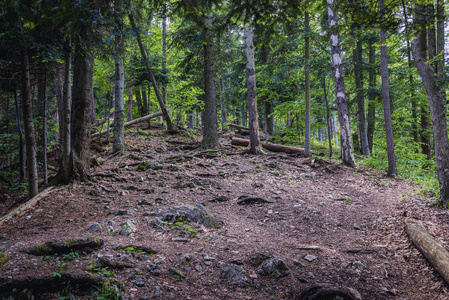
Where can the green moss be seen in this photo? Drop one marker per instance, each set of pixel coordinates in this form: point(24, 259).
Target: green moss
point(3, 258)
point(42, 249)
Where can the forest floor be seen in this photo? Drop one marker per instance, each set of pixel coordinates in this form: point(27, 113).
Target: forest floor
point(315, 221)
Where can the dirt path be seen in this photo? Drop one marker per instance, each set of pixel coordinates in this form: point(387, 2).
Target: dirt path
point(328, 223)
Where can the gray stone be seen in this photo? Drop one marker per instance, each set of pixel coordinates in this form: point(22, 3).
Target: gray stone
point(220, 264)
point(208, 258)
point(198, 267)
point(310, 257)
point(274, 267)
point(156, 223)
point(154, 270)
point(121, 212)
point(258, 259)
point(185, 259)
point(139, 282)
point(272, 165)
point(128, 228)
point(97, 192)
point(237, 273)
point(194, 213)
point(177, 273)
point(95, 227)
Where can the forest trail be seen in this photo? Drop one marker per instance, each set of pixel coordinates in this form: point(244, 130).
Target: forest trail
point(329, 224)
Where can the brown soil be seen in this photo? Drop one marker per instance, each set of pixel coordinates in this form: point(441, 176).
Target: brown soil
point(351, 220)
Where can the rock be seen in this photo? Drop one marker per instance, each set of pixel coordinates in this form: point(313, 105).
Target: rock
point(322, 292)
point(145, 202)
point(154, 269)
point(128, 228)
point(118, 212)
point(185, 259)
point(220, 264)
point(274, 267)
point(94, 227)
point(181, 240)
point(209, 258)
point(272, 165)
point(194, 213)
point(105, 262)
point(198, 267)
point(173, 168)
point(177, 274)
point(139, 282)
point(258, 259)
point(258, 185)
point(156, 223)
point(97, 192)
point(237, 273)
point(310, 257)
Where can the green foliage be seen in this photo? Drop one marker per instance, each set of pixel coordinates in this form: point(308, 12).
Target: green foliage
point(110, 291)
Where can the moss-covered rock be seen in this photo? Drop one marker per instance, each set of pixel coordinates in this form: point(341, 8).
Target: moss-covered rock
point(3, 258)
point(83, 245)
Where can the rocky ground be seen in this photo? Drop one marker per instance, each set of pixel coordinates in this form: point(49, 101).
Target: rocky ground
point(163, 222)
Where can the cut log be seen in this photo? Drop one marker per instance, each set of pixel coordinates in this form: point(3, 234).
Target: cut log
point(127, 124)
point(434, 252)
point(269, 146)
point(245, 131)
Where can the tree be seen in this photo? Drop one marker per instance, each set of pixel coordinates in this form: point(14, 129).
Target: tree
point(347, 153)
point(307, 85)
point(210, 134)
point(119, 103)
point(435, 96)
point(386, 97)
point(170, 127)
point(254, 145)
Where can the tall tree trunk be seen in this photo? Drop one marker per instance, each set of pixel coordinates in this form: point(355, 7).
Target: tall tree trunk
point(437, 102)
point(144, 101)
point(42, 112)
point(81, 108)
point(307, 87)
point(59, 91)
point(164, 110)
point(358, 75)
point(119, 105)
point(386, 97)
point(224, 114)
point(164, 49)
point(371, 96)
point(254, 142)
point(130, 104)
point(210, 135)
point(28, 125)
point(139, 100)
point(342, 106)
point(65, 165)
point(19, 130)
point(328, 117)
point(5, 114)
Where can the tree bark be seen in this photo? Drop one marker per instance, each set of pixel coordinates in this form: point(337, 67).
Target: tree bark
point(130, 104)
point(119, 111)
point(358, 75)
point(29, 128)
point(42, 111)
point(328, 117)
point(164, 110)
point(164, 49)
point(19, 130)
point(81, 108)
point(254, 146)
point(433, 251)
point(307, 86)
point(210, 135)
point(342, 106)
point(386, 97)
point(437, 103)
point(135, 121)
point(372, 96)
point(65, 165)
point(224, 114)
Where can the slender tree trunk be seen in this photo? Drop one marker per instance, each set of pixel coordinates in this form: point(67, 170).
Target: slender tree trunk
point(437, 102)
point(164, 49)
point(307, 87)
point(119, 104)
point(358, 75)
point(144, 101)
point(342, 106)
point(224, 114)
point(130, 104)
point(386, 97)
point(59, 91)
point(164, 110)
point(254, 146)
point(139, 100)
point(81, 108)
point(372, 96)
point(328, 117)
point(19, 130)
point(210, 135)
point(65, 165)
point(42, 111)
point(29, 129)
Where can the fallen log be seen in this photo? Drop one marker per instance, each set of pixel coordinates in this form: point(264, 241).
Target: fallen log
point(238, 126)
point(127, 124)
point(434, 252)
point(269, 146)
point(245, 131)
point(30, 203)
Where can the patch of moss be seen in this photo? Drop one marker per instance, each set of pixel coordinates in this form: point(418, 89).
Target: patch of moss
point(42, 249)
point(3, 258)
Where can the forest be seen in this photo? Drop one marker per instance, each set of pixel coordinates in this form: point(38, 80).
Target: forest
point(356, 84)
